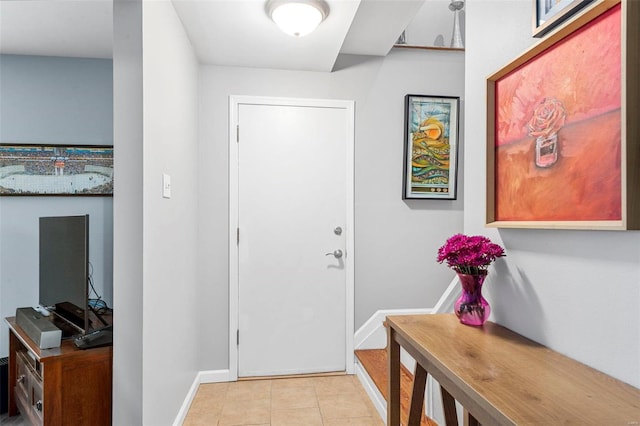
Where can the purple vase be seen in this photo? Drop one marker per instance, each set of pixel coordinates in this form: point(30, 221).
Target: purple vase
point(471, 308)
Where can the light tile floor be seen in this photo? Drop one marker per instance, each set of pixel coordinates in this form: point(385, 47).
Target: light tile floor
point(307, 401)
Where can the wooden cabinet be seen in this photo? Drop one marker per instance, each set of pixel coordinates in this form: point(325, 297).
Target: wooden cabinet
point(60, 386)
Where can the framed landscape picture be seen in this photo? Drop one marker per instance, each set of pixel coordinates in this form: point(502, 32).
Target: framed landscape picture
point(562, 145)
point(430, 147)
point(27, 169)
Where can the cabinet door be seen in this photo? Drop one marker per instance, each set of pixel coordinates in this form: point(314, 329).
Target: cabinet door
point(37, 400)
point(22, 377)
point(28, 390)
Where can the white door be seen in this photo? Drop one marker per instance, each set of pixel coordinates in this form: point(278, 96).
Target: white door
point(294, 198)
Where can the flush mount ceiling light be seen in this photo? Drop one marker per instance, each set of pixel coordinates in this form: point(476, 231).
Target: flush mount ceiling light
point(297, 17)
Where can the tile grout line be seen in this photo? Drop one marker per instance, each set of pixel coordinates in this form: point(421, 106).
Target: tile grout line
point(348, 387)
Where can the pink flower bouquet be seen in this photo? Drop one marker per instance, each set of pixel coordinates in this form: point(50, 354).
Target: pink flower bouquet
point(469, 255)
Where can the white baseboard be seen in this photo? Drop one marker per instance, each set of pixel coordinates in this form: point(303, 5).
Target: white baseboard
point(374, 394)
point(184, 409)
point(212, 376)
point(448, 298)
point(373, 335)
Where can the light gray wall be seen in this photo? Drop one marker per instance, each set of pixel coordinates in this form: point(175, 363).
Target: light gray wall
point(395, 241)
point(58, 101)
point(156, 288)
point(575, 291)
point(172, 302)
point(127, 213)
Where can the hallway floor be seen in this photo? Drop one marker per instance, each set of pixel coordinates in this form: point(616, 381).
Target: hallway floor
point(307, 401)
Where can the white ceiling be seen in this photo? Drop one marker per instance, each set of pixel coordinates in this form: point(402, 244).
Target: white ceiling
point(80, 28)
point(223, 32)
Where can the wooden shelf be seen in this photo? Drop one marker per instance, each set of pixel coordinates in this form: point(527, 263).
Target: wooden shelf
point(414, 46)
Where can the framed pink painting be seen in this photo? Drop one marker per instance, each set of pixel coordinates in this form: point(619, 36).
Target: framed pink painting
point(563, 145)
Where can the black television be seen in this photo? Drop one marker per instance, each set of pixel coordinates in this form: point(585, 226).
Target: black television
point(64, 272)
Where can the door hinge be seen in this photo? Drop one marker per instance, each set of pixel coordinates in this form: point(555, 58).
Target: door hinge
point(238, 337)
point(237, 235)
point(237, 133)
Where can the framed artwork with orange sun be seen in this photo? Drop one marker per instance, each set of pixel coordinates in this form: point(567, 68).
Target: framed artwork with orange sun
point(430, 147)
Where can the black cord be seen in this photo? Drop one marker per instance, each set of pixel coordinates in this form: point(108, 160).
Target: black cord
point(99, 305)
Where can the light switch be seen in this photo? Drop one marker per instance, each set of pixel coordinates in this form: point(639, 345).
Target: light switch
point(166, 185)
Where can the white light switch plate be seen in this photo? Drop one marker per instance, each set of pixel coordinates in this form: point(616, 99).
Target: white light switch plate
point(166, 185)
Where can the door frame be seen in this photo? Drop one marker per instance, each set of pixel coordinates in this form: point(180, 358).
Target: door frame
point(349, 108)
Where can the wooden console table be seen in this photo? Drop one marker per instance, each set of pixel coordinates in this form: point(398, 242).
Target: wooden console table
point(59, 386)
point(501, 377)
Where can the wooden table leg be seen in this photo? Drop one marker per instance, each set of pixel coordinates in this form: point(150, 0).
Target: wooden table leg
point(470, 420)
point(449, 407)
point(417, 396)
point(393, 404)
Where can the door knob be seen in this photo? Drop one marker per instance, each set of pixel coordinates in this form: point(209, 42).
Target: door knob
point(336, 253)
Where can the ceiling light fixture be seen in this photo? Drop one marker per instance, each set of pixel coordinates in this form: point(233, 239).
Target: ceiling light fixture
point(297, 17)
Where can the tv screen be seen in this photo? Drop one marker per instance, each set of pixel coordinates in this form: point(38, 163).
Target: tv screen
point(64, 268)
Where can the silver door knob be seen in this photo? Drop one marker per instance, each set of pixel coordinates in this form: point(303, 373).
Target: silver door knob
point(336, 253)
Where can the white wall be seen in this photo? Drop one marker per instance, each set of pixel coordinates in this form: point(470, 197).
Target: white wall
point(171, 296)
point(156, 288)
point(433, 24)
point(395, 241)
point(575, 291)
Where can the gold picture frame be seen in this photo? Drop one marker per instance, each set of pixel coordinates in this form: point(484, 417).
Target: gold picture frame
point(561, 85)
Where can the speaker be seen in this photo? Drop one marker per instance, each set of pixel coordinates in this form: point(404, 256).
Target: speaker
point(42, 331)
